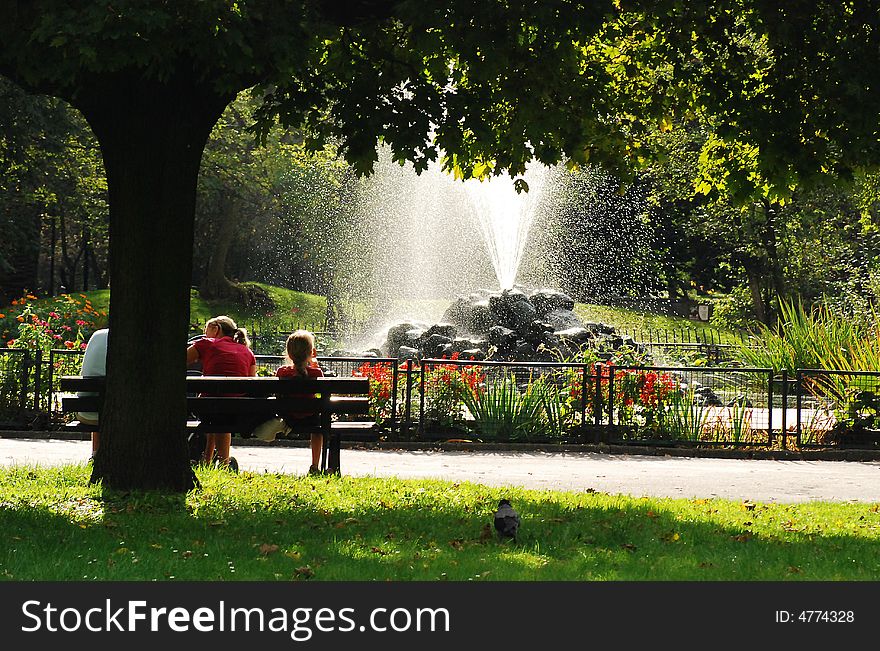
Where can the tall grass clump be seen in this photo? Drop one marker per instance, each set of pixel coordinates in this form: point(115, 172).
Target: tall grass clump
point(502, 411)
point(814, 338)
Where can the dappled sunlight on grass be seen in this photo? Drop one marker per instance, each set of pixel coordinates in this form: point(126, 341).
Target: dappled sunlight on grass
point(293, 527)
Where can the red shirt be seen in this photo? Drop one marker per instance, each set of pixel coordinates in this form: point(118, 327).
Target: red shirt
point(292, 372)
point(225, 357)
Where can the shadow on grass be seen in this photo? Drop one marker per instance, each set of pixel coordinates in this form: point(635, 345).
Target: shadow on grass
point(267, 527)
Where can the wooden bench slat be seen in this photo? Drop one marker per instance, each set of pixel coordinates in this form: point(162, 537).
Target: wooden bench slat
point(250, 385)
point(244, 405)
point(83, 403)
point(274, 385)
point(81, 383)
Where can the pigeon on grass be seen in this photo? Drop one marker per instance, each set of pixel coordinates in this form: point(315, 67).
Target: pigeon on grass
point(506, 521)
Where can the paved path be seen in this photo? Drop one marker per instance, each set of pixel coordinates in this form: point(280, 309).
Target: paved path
point(655, 476)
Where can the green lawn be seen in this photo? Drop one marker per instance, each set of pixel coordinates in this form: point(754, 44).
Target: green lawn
point(281, 527)
point(292, 309)
point(635, 321)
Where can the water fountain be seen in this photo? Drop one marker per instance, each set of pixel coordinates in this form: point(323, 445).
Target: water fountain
point(505, 218)
point(442, 235)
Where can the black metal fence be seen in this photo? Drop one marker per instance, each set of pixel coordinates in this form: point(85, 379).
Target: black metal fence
point(442, 399)
point(693, 405)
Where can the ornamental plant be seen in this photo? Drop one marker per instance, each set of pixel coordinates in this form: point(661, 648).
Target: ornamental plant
point(381, 385)
point(503, 411)
point(687, 417)
point(62, 322)
point(643, 398)
point(444, 385)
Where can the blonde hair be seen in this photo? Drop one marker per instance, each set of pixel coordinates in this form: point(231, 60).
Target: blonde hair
point(229, 329)
point(299, 347)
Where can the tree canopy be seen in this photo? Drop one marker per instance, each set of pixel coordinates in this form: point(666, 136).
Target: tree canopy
point(788, 91)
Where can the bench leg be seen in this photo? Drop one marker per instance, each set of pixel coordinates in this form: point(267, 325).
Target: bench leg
point(324, 451)
point(333, 453)
point(330, 453)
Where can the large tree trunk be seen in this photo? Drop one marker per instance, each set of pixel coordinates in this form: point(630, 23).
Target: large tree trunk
point(216, 284)
point(755, 286)
point(24, 257)
point(777, 285)
point(152, 136)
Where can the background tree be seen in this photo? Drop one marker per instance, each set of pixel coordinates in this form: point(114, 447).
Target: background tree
point(53, 197)
point(597, 236)
point(271, 212)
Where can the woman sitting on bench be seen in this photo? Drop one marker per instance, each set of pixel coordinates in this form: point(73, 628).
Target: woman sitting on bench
point(225, 351)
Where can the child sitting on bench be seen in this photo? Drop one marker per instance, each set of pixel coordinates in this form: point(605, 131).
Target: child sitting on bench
point(301, 362)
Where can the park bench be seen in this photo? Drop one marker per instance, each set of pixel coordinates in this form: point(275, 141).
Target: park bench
point(336, 398)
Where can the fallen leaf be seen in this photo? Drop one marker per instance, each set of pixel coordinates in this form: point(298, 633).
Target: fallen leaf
point(705, 565)
point(377, 550)
point(794, 570)
point(187, 554)
point(651, 514)
point(629, 547)
point(304, 572)
point(266, 549)
point(457, 543)
point(743, 537)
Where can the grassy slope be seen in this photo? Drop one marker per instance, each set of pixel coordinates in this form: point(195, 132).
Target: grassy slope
point(308, 310)
point(292, 309)
point(635, 321)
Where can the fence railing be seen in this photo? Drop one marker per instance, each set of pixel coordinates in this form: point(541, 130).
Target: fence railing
point(443, 399)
